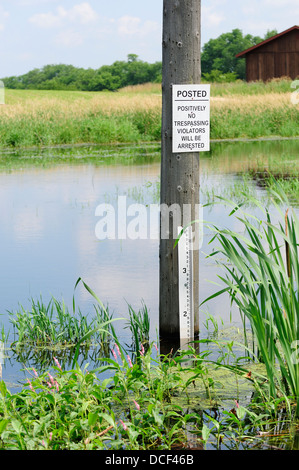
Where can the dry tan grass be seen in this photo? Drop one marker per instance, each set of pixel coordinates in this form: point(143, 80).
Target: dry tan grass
point(144, 88)
point(67, 105)
point(258, 103)
point(126, 103)
point(50, 105)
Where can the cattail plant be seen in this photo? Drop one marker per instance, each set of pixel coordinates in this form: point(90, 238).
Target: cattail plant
point(262, 279)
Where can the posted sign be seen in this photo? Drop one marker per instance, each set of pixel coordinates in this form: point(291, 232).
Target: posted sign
point(191, 118)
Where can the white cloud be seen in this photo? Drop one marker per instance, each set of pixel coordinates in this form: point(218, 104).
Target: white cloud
point(212, 16)
point(280, 17)
point(69, 38)
point(259, 28)
point(82, 13)
point(3, 15)
point(27, 3)
point(49, 20)
point(25, 56)
point(282, 3)
point(214, 19)
point(131, 25)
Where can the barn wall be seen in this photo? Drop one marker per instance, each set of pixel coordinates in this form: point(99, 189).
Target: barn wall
point(277, 58)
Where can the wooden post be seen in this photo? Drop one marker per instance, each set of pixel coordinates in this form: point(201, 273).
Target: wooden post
point(179, 172)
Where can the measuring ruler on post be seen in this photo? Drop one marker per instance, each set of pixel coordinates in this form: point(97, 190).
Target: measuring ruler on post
point(185, 259)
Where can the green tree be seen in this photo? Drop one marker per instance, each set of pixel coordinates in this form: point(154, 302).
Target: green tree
point(220, 53)
point(108, 77)
point(270, 33)
point(132, 58)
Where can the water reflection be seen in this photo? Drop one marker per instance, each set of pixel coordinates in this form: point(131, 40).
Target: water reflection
point(48, 235)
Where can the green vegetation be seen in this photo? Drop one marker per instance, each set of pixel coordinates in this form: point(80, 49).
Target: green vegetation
point(98, 129)
point(241, 88)
point(238, 123)
point(139, 407)
point(236, 394)
point(135, 409)
point(46, 118)
point(262, 280)
point(149, 403)
point(135, 398)
point(108, 77)
point(143, 400)
point(219, 62)
point(47, 328)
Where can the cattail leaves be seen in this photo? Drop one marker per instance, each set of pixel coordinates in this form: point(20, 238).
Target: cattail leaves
point(262, 279)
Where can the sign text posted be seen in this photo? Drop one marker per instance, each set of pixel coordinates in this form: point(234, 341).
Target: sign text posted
point(191, 118)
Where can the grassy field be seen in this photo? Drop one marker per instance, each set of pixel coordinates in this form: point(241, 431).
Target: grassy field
point(238, 110)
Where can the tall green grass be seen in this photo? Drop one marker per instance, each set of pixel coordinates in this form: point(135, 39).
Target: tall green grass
point(238, 110)
point(262, 279)
point(250, 123)
point(239, 87)
point(52, 324)
point(34, 131)
point(141, 126)
point(139, 325)
point(45, 327)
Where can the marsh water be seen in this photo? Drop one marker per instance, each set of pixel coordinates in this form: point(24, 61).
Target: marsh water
point(49, 198)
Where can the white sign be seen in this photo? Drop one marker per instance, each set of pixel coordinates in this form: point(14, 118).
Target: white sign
point(191, 118)
point(185, 260)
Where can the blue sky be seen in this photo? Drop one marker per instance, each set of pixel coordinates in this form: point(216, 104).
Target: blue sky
point(93, 33)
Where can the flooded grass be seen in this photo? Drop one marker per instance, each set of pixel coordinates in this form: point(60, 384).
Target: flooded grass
point(97, 155)
point(255, 165)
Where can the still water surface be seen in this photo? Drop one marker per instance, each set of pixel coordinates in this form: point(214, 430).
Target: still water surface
point(48, 202)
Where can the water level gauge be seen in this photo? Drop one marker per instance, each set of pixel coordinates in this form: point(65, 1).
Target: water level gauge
point(185, 256)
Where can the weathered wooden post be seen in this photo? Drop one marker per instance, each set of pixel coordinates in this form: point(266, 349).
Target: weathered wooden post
point(180, 171)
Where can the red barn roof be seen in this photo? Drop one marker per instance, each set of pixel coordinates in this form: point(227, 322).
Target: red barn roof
point(241, 54)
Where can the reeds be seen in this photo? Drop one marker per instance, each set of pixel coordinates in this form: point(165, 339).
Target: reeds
point(262, 280)
point(46, 327)
point(48, 324)
point(139, 325)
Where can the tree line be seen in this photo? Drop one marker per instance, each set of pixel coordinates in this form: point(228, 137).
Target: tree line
point(218, 61)
point(108, 77)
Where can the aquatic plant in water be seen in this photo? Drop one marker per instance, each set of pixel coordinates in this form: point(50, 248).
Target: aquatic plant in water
point(139, 325)
point(77, 410)
point(262, 279)
point(150, 403)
